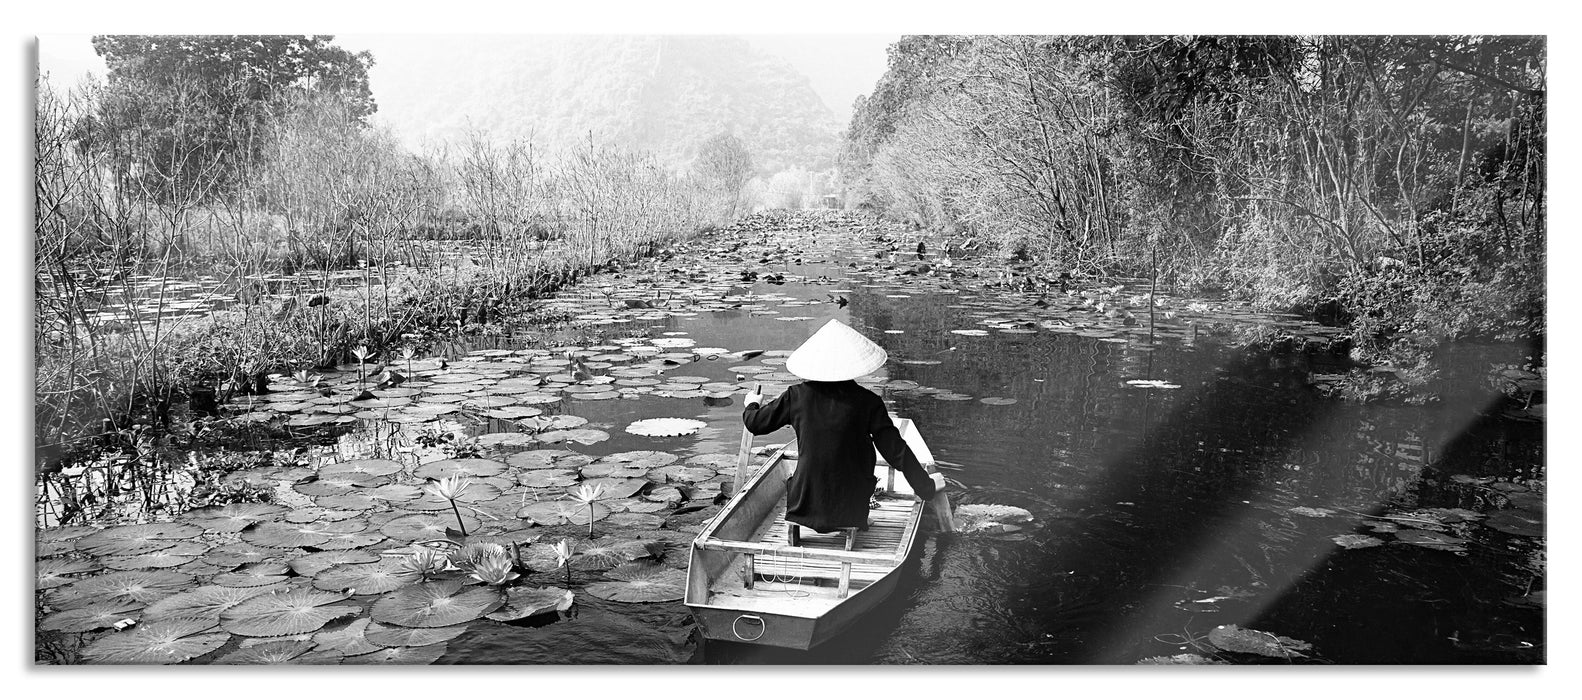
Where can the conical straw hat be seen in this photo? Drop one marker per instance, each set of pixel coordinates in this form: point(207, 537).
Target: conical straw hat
point(836, 353)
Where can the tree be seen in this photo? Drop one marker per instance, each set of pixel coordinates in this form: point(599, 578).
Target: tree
point(185, 115)
point(268, 65)
point(725, 165)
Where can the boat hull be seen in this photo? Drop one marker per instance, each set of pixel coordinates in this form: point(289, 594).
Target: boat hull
point(747, 584)
point(751, 626)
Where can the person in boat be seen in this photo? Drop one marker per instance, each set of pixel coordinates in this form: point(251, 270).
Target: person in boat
point(838, 424)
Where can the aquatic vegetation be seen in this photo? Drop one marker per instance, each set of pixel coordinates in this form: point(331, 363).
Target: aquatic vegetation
point(291, 611)
point(1249, 641)
point(664, 427)
point(563, 552)
point(436, 604)
point(424, 563)
point(990, 518)
point(587, 494)
point(638, 582)
point(523, 602)
point(486, 406)
point(1354, 541)
point(160, 642)
point(450, 488)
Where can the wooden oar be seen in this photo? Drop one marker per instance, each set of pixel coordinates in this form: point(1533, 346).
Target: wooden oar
point(744, 455)
point(941, 504)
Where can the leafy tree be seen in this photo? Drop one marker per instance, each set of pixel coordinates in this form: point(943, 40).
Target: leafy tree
point(186, 116)
point(724, 163)
point(267, 65)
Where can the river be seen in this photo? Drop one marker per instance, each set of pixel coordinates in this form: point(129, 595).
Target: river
point(1225, 491)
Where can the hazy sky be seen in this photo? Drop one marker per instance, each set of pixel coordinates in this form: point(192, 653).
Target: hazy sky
point(840, 66)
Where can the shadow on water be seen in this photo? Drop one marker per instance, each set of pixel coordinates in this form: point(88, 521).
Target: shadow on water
point(1160, 513)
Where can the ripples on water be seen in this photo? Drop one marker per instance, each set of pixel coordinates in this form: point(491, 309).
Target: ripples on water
point(1159, 511)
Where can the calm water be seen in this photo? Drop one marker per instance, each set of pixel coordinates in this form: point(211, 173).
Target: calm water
point(1161, 513)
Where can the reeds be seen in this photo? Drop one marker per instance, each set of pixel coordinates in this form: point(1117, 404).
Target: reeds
point(444, 241)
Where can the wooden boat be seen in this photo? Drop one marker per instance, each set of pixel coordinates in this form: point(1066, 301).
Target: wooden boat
point(745, 583)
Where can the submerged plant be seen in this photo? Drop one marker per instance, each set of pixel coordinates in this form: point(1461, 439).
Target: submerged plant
point(450, 488)
point(586, 495)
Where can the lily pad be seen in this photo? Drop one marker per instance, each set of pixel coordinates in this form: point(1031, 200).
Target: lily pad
point(232, 517)
point(230, 556)
point(346, 640)
point(364, 578)
point(292, 611)
point(267, 654)
point(1248, 641)
point(581, 436)
point(1355, 541)
point(665, 427)
point(312, 564)
point(436, 604)
point(550, 513)
point(525, 601)
point(141, 586)
point(610, 552)
point(369, 467)
point(618, 488)
point(56, 571)
point(420, 527)
point(547, 478)
point(260, 574)
point(405, 656)
point(641, 583)
point(136, 539)
point(161, 642)
point(94, 616)
point(681, 473)
point(397, 636)
point(204, 601)
point(166, 558)
point(282, 535)
point(547, 459)
point(336, 484)
point(460, 467)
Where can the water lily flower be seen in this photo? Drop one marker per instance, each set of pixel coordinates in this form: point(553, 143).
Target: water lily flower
point(451, 487)
point(563, 552)
point(493, 568)
point(424, 563)
point(586, 495)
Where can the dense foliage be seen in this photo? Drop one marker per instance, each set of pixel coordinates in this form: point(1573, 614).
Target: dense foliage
point(247, 158)
point(1399, 178)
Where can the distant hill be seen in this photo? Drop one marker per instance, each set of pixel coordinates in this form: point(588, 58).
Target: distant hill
point(660, 94)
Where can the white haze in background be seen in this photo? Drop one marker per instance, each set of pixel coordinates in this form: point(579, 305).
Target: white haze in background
point(839, 68)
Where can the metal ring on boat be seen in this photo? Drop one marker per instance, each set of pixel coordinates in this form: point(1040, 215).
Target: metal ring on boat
point(739, 618)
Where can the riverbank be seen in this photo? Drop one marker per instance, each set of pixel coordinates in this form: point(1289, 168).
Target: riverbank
point(1043, 400)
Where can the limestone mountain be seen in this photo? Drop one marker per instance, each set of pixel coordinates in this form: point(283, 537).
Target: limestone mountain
point(662, 94)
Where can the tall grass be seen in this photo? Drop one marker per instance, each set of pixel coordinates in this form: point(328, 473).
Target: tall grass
point(445, 240)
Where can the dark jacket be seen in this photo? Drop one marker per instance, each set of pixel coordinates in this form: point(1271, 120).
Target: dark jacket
point(838, 425)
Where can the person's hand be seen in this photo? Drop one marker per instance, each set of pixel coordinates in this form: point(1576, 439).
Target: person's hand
point(752, 397)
